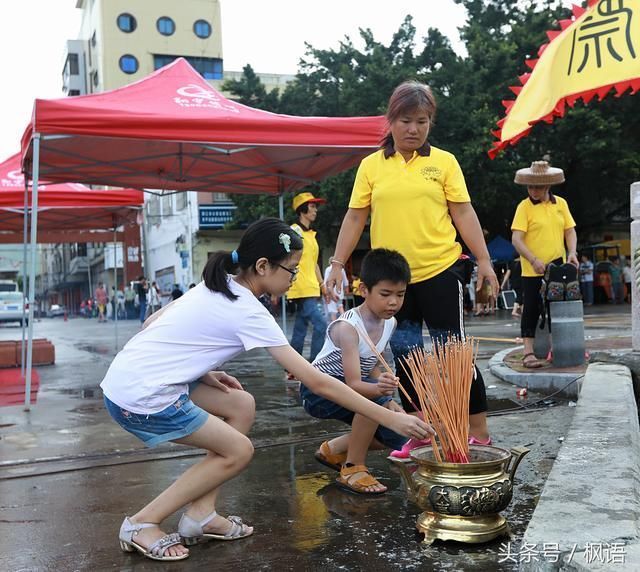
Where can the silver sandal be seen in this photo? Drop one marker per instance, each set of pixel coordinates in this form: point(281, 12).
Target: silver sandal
point(192, 531)
point(157, 550)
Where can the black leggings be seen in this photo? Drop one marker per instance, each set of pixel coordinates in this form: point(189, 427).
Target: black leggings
point(438, 302)
point(533, 305)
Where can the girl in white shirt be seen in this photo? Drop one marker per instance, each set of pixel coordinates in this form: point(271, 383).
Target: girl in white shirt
point(150, 391)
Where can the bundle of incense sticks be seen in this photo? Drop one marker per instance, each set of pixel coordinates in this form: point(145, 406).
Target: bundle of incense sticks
point(442, 381)
point(363, 334)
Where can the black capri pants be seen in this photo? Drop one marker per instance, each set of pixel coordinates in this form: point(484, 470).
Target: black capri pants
point(438, 302)
point(533, 305)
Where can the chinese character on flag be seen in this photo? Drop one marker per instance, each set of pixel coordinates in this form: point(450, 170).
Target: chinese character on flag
point(597, 50)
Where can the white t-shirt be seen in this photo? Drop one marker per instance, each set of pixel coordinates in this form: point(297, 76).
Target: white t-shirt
point(586, 271)
point(627, 274)
point(329, 360)
point(199, 332)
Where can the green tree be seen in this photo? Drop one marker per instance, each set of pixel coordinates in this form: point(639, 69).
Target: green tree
point(249, 90)
point(596, 144)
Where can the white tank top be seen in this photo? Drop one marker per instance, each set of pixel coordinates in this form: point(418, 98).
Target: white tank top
point(329, 360)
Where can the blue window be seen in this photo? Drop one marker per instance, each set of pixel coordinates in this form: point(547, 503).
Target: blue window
point(128, 63)
point(126, 22)
point(202, 28)
point(208, 68)
point(166, 26)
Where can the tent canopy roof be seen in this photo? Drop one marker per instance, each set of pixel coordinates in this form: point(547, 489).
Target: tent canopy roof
point(172, 130)
point(63, 206)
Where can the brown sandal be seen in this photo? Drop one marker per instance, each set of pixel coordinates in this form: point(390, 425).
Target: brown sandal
point(532, 363)
point(328, 459)
point(359, 486)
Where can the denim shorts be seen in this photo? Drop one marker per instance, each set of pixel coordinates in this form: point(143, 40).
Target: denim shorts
point(322, 408)
point(181, 418)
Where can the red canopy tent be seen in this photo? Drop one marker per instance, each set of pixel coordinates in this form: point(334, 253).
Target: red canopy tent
point(172, 130)
point(68, 207)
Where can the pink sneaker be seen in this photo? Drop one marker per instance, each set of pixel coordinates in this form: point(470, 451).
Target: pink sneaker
point(410, 445)
point(474, 441)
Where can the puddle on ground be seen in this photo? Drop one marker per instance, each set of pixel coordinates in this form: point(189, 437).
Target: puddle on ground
point(81, 392)
point(88, 408)
point(96, 349)
point(502, 404)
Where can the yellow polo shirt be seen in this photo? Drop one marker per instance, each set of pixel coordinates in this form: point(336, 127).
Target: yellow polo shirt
point(543, 226)
point(409, 211)
point(306, 284)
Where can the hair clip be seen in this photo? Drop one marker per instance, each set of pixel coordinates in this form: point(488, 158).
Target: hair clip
point(285, 240)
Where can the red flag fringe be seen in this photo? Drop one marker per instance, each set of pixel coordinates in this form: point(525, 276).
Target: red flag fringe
point(559, 110)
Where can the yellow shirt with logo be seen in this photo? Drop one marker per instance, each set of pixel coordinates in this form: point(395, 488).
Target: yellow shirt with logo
point(306, 284)
point(543, 225)
point(409, 210)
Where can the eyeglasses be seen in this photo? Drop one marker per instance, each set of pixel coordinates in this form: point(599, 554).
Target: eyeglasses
point(293, 272)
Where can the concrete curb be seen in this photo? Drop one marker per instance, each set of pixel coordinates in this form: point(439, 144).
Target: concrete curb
point(540, 381)
point(590, 506)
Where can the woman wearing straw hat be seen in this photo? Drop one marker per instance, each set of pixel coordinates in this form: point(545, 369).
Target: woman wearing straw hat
point(418, 199)
point(541, 227)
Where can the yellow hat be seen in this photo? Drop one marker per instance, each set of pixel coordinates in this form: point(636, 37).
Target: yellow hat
point(303, 198)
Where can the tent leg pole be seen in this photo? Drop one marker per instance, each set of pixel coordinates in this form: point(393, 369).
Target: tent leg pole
point(24, 276)
point(90, 283)
point(115, 285)
point(32, 279)
point(283, 299)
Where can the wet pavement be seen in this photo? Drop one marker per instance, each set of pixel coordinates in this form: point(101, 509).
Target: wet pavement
point(68, 474)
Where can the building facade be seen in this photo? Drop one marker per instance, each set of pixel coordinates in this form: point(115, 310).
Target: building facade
point(122, 41)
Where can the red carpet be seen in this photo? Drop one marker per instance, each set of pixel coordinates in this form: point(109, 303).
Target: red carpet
point(12, 386)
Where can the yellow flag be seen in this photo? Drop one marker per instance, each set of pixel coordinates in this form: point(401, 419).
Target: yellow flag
point(597, 50)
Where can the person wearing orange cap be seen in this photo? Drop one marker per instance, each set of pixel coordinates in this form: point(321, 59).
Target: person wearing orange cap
point(309, 283)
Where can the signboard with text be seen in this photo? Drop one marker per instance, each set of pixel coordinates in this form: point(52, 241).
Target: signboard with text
point(215, 216)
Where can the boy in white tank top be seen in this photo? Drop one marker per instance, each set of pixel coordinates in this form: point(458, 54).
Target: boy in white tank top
point(347, 355)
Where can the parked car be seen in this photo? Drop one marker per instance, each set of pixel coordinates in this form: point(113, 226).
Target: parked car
point(8, 286)
point(55, 310)
point(11, 307)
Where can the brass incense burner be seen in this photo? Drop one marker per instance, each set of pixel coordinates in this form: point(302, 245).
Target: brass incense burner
point(462, 501)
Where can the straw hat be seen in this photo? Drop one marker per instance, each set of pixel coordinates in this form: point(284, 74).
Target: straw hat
point(540, 173)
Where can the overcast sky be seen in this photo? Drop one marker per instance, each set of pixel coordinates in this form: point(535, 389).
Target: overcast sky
point(268, 35)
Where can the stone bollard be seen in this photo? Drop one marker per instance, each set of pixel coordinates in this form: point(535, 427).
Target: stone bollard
point(635, 265)
point(567, 331)
point(542, 341)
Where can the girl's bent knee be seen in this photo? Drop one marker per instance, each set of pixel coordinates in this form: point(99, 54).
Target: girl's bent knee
point(246, 404)
point(243, 452)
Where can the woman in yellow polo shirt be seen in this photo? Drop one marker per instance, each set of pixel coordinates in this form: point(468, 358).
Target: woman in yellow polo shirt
point(417, 198)
point(541, 227)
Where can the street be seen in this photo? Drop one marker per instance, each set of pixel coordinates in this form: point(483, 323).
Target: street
point(69, 474)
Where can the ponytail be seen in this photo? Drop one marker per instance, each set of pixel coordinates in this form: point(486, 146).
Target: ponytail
point(216, 271)
point(268, 238)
